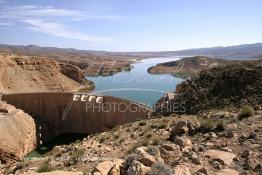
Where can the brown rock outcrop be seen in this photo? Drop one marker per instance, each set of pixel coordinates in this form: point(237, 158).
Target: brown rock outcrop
point(223, 156)
point(182, 170)
point(17, 134)
point(104, 167)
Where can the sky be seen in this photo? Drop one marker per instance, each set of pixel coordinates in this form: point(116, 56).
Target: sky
point(130, 25)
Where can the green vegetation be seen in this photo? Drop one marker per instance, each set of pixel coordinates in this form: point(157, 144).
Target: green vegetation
point(209, 125)
point(220, 125)
point(152, 150)
point(155, 140)
point(46, 167)
point(142, 123)
point(77, 154)
point(130, 158)
point(245, 112)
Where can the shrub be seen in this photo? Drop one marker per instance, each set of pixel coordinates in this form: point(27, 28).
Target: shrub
point(142, 123)
point(220, 125)
point(162, 125)
point(101, 140)
point(154, 125)
point(160, 169)
point(132, 135)
point(24, 163)
point(121, 140)
point(116, 136)
point(149, 135)
point(136, 128)
point(152, 150)
point(245, 112)
point(155, 140)
point(207, 125)
point(77, 154)
point(45, 167)
point(143, 142)
point(130, 159)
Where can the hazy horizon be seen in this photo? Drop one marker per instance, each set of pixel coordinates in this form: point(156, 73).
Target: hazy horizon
point(124, 26)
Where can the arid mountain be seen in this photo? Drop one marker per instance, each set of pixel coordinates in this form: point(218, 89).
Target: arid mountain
point(20, 73)
point(239, 52)
point(93, 63)
point(191, 65)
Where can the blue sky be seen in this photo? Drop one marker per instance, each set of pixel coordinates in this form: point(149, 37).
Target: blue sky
point(131, 25)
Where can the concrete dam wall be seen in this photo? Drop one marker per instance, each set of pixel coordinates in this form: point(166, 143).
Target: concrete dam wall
point(57, 113)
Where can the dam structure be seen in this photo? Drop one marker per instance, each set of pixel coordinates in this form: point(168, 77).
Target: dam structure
point(58, 113)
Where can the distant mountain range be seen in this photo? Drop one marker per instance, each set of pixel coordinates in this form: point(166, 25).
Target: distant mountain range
point(240, 52)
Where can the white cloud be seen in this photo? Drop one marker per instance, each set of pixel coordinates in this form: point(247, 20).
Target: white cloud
point(5, 24)
point(31, 11)
point(48, 19)
point(57, 29)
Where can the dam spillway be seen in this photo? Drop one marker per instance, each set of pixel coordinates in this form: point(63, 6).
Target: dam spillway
point(60, 113)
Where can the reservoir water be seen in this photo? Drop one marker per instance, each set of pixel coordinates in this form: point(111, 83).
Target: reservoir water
point(138, 85)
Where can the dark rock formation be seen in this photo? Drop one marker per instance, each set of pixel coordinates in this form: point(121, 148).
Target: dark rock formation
point(216, 88)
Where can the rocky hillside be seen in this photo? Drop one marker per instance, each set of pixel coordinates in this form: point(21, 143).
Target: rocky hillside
point(219, 87)
point(213, 143)
point(20, 73)
point(190, 65)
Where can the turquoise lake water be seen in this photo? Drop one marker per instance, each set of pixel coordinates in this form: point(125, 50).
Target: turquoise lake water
point(138, 85)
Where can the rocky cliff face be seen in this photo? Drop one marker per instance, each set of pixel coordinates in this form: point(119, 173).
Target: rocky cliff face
point(37, 74)
point(219, 87)
point(17, 134)
point(75, 73)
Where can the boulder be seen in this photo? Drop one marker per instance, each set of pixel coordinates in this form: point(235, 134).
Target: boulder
point(181, 170)
point(17, 134)
point(104, 167)
point(227, 172)
point(184, 127)
point(170, 152)
point(118, 167)
point(221, 156)
point(145, 158)
point(202, 170)
point(184, 143)
point(138, 168)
